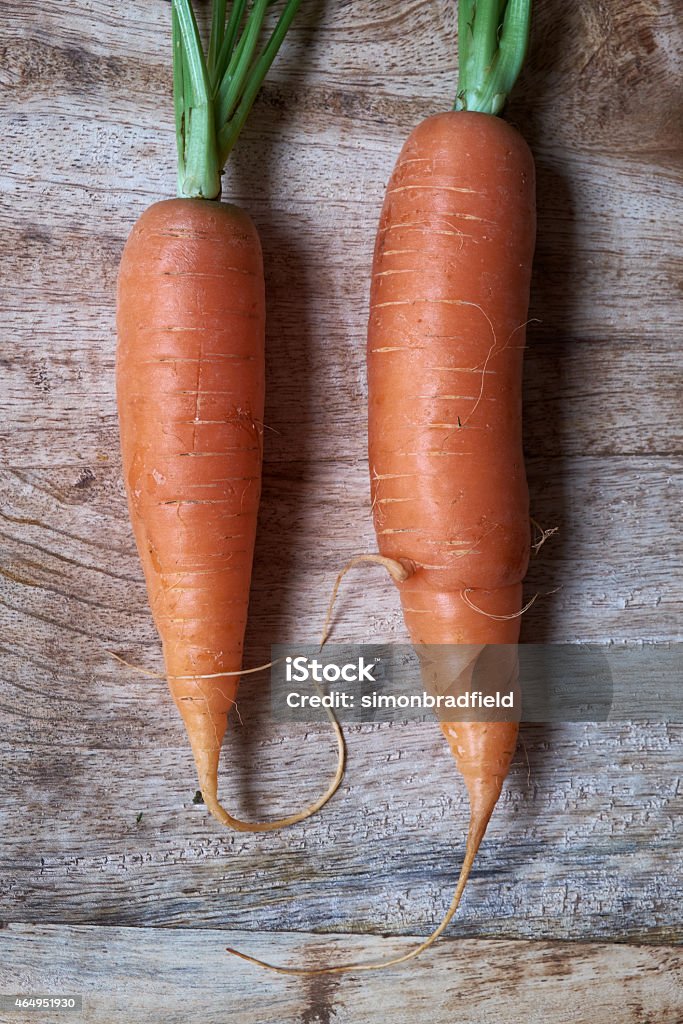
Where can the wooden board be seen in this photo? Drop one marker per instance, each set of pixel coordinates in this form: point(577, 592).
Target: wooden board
point(584, 843)
point(186, 977)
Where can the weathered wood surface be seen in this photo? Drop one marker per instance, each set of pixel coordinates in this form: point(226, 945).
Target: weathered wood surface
point(185, 977)
point(584, 843)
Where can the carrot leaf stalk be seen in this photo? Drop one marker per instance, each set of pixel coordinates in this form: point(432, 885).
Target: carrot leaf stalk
point(213, 94)
point(493, 36)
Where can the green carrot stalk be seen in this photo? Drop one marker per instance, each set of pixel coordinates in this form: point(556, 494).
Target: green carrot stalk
point(213, 94)
point(493, 36)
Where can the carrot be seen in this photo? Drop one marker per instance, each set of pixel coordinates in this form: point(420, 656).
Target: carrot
point(448, 305)
point(190, 385)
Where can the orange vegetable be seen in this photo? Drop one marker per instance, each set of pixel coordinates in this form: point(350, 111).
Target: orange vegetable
point(448, 308)
point(190, 383)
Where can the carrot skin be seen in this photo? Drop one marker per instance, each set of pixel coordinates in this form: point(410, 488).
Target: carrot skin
point(448, 307)
point(190, 390)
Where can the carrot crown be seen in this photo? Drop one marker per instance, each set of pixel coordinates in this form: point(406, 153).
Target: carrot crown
point(492, 40)
point(214, 93)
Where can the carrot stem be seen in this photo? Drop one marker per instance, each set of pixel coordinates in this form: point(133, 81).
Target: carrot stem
point(493, 36)
point(217, 34)
point(229, 40)
point(198, 171)
point(214, 94)
point(179, 91)
point(228, 135)
point(232, 86)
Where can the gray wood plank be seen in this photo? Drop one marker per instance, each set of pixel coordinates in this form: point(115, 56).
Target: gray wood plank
point(583, 843)
point(185, 977)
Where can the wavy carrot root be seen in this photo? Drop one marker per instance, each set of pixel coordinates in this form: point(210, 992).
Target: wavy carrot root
point(190, 386)
point(482, 750)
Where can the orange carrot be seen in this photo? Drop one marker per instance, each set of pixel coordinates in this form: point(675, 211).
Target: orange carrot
point(448, 307)
point(449, 304)
point(190, 383)
point(448, 310)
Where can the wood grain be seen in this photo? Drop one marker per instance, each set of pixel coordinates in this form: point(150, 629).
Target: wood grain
point(185, 977)
point(584, 844)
